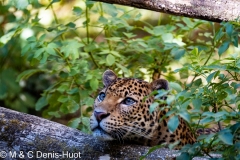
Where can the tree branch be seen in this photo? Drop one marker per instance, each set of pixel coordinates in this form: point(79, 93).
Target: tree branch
point(211, 10)
point(34, 138)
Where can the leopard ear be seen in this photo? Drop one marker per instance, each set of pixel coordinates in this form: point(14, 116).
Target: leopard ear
point(159, 84)
point(108, 77)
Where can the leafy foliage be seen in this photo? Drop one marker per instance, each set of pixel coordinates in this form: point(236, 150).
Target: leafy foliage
point(64, 61)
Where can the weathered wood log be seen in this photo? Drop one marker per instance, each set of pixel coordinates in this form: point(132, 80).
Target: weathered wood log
point(212, 10)
point(31, 137)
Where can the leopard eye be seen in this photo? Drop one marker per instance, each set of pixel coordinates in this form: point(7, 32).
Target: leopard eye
point(128, 101)
point(101, 96)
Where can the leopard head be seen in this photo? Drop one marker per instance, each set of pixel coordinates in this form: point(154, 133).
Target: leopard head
point(121, 110)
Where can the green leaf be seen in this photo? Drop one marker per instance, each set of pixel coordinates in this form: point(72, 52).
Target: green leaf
point(137, 17)
point(89, 4)
point(167, 38)
point(219, 34)
point(235, 127)
point(38, 52)
point(53, 1)
point(149, 30)
point(42, 102)
point(226, 136)
point(206, 120)
point(73, 91)
point(103, 20)
point(173, 123)
point(3, 90)
point(32, 39)
point(63, 87)
point(24, 49)
point(197, 103)
point(110, 60)
point(74, 123)
point(184, 156)
point(205, 137)
point(69, 107)
point(5, 38)
point(77, 11)
point(223, 48)
point(161, 93)
point(73, 107)
point(220, 114)
point(26, 74)
point(185, 104)
point(50, 49)
point(184, 73)
point(219, 67)
point(159, 30)
point(129, 35)
point(110, 9)
point(71, 48)
point(235, 40)
point(185, 115)
point(7, 77)
point(197, 82)
point(115, 53)
point(177, 53)
point(152, 149)
point(195, 52)
point(222, 95)
point(64, 108)
point(229, 29)
point(86, 121)
point(175, 86)
point(90, 47)
point(71, 25)
point(170, 99)
point(124, 69)
point(21, 4)
point(153, 106)
point(210, 76)
point(89, 101)
point(94, 84)
point(42, 38)
point(62, 99)
point(55, 114)
point(44, 58)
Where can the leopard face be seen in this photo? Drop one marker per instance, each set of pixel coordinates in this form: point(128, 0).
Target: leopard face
point(121, 112)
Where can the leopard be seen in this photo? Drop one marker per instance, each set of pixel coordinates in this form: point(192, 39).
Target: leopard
point(121, 112)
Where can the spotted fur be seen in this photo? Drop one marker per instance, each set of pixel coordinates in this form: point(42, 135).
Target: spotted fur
point(121, 113)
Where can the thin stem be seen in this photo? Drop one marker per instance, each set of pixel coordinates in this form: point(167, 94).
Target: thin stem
point(210, 55)
point(126, 13)
point(197, 124)
point(211, 52)
point(88, 35)
point(226, 103)
point(80, 103)
point(160, 18)
point(62, 56)
point(87, 24)
point(101, 9)
point(108, 41)
point(56, 20)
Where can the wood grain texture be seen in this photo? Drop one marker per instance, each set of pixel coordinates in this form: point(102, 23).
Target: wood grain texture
point(211, 10)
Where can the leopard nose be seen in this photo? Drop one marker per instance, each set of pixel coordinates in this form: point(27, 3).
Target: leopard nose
point(100, 115)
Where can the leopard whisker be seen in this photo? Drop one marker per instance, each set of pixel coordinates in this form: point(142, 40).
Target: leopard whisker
point(120, 136)
point(140, 133)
